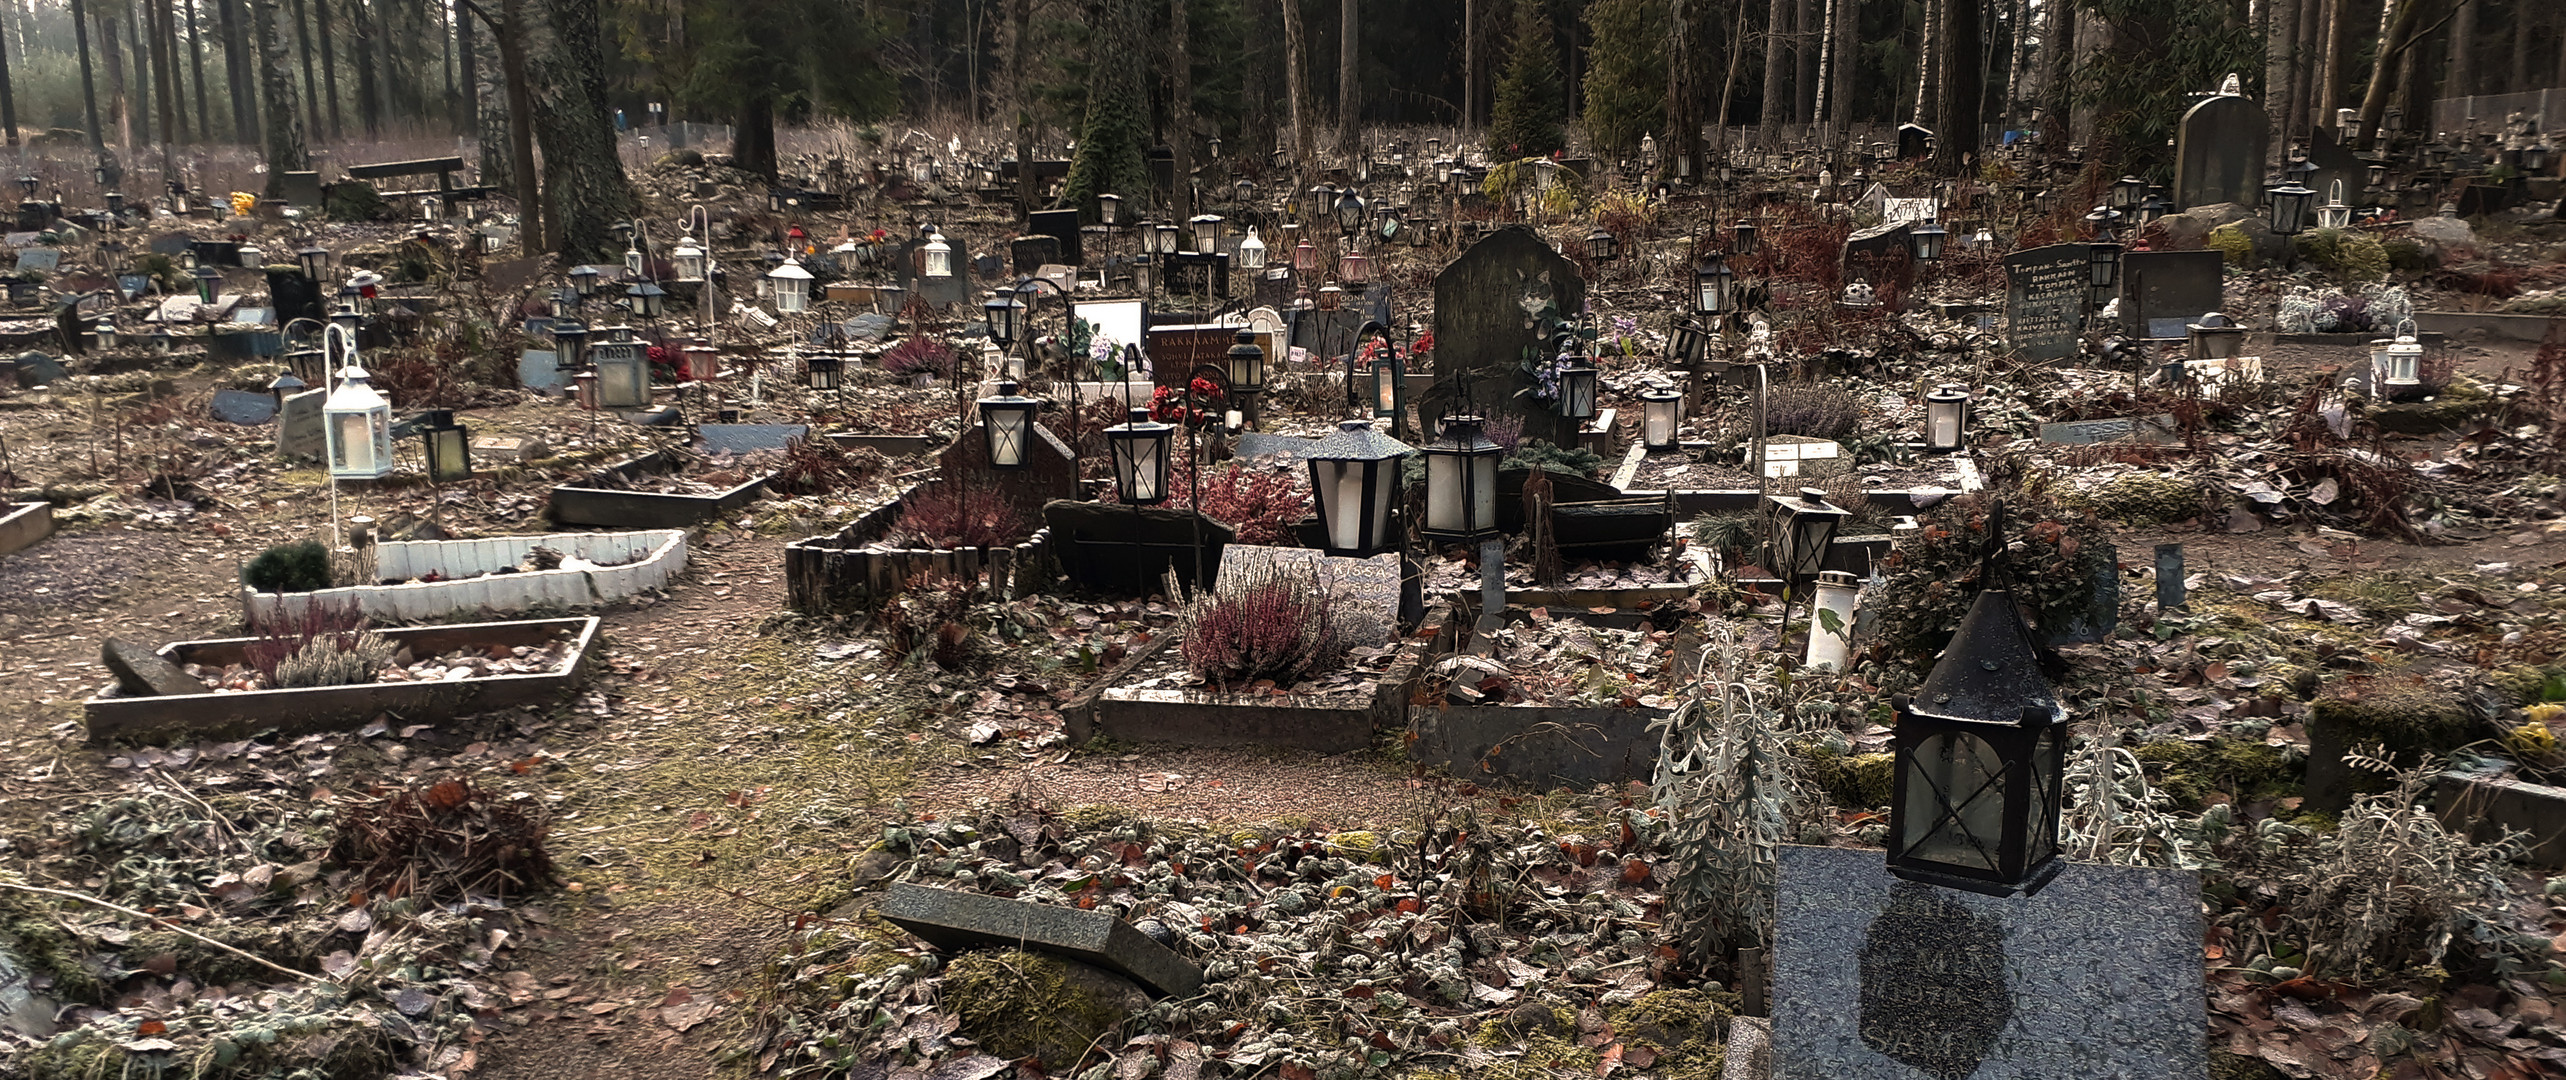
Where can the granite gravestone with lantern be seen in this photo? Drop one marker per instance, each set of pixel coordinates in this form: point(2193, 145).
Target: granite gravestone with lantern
point(1490, 309)
point(2045, 293)
point(1883, 256)
point(2218, 153)
point(2162, 291)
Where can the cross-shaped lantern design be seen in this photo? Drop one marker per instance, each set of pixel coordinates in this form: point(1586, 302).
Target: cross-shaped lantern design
point(1980, 760)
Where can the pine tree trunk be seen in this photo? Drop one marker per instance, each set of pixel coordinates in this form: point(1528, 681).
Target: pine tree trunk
point(497, 136)
point(1805, 31)
point(1180, 108)
point(88, 85)
point(1470, 66)
point(196, 61)
point(138, 54)
point(329, 65)
point(2400, 25)
point(2017, 63)
point(1020, 85)
point(236, 71)
point(1728, 85)
point(2523, 23)
point(1679, 78)
point(8, 96)
point(467, 76)
point(361, 55)
point(2281, 36)
point(586, 180)
point(164, 74)
point(2462, 81)
point(1777, 72)
point(311, 84)
point(2056, 112)
point(753, 142)
point(2330, 66)
point(1844, 20)
point(283, 123)
point(1928, 54)
point(111, 52)
point(507, 37)
point(1295, 61)
point(1963, 85)
point(1349, 80)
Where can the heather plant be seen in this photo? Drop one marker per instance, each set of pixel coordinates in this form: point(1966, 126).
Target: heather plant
point(951, 514)
point(1262, 625)
point(1261, 502)
point(918, 355)
point(309, 639)
point(1819, 412)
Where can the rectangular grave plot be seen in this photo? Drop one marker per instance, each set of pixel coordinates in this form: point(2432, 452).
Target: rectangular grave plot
point(586, 504)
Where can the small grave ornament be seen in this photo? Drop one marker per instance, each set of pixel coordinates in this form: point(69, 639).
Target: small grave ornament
point(1007, 422)
point(1660, 408)
point(1980, 762)
point(1140, 454)
point(449, 447)
point(2404, 369)
point(1946, 418)
point(359, 425)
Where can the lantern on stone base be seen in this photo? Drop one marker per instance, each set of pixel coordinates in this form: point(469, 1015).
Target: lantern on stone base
point(1980, 758)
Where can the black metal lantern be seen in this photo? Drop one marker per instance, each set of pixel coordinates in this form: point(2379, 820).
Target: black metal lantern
point(825, 368)
point(2105, 262)
point(646, 299)
point(1660, 409)
point(570, 345)
point(1109, 209)
point(2290, 203)
point(1354, 477)
point(1602, 246)
point(1207, 232)
point(584, 278)
point(2155, 206)
point(1742, 238)
point(1246, 365)
point(209, 282)
point(1946, 418)
point(1927, 240)
point(1689, 343)
point(1139, 448)
point(1007, 423)
point(2127, 192)
point(1349, 212)
point(1003, 312)
point(1980, 759)
point(1808, 529)
point(1461, 482)
point(29, 183)
point(1711, 283)
point(286, 384)
point(1576, 387)
point(449, 447)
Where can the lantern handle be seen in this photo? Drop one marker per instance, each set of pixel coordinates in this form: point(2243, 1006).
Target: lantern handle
point(337, 340)
point(2405, 327)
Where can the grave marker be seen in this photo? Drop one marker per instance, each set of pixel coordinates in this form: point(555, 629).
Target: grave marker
point(39, 258)
point(1032, 253)
point(298, 425)
point(953, 920)
point(2218, 153)
point(243, 407)
point(2045, 293)
point(2162, 291)
point(1882, 256)
point(1875, 978)
point(1486, 304)
point(2155, 430)
point(749, 438)
point(36, 369)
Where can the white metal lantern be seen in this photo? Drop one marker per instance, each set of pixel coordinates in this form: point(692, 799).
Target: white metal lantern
point(1139, 447)
point(632, 261)
point(939, 257)
point(1830, 647)
point(623, 370)
point(2405, 359)
point(688, 260)
point(1946, 417)
point(1354, 475)
point(1251, 251)
point(793, 287)
point(1461, 482)
point(358, 422)
point(1659, 409)
point(2334, 214)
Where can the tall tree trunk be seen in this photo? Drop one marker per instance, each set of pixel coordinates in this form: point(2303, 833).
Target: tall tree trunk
point(137, 54)
point(2330, 66)
point(1180, 107)
point(507, 35)
point(1963, 85)
point(8, 95)
point(196, 60)
point(283, 123)
point(2058, 44)
point(586, 180)
point(1844, 20)
point(497, 135)
point(2094, 37)
point(1728, 82)
point(1928, 54)
point(88, 85)
point(753, 141)
point(2401, 27)
point(1295, 61)
point(311, 84)
point(2281, 40)
point(236, 70)
point(362, 55)
point(2523, 23)
point(1806, 29)
point(329, 65)
point(2017, 63)
point(2463, 50)
point(1777, 71)
point(1020, 87)
point(1349, 80)
point(1470, 66)
point(1679, 75)
point(111, 52)
point(467, 81)
point(164, 74)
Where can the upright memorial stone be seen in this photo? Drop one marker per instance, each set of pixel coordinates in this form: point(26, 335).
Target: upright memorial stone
point(1883, 256)
point(2218, 153)
point(2045, 292)
point(1061, 225)
point(1489, 307)
point(2162, 291)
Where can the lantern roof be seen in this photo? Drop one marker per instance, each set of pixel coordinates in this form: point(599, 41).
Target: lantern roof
point(354, 393)
point(1989, 674)
point(1357, 440)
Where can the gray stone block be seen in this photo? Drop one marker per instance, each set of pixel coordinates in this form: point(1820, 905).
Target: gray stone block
point(959, 920)
point(141, 672)
point(2097, 976)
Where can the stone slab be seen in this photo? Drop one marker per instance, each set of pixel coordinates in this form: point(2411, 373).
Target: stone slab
point(749, 438)
point(243, 407)
point(298, 425)
point(2154, 430)
point(955, 920)
point(2045, 294)
point(1366, 591)
point(2484, 806)
point(39, 258)
point(22, 1010)
point(2097, 976)
point(36, 369)
point(540, 370)
point(140, 672)
point(2218, 153)
point(1750, 1049)
point(2162, 291)
point(22, 525)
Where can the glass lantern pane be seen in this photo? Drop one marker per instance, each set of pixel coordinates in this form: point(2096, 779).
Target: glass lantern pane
point(1955, 811)
point(351, 436)
point(1341, 503)
point(1443, 493)
point(1483, 491)
point(1007, 437)
point(2047, 758)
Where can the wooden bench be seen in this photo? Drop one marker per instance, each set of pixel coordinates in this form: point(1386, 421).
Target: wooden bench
point(445, 167)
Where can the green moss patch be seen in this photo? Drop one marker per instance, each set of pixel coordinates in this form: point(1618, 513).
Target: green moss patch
point(2243, 769)
point(1021, 1004)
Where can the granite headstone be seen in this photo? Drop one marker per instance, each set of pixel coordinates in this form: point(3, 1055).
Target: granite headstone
point(2045, 294)
point(1060, 225)
point(749, 438)
point(1883, 256)
point(1032, 253)
point(243, 407)
point(1486, 306)
point(36, 369)
point(2162, 291)
point(2218, 153)
point(298, 425)
point(43, 259)
point(1875, 978)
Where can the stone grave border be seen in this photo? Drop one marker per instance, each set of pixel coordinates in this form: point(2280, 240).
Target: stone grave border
point(662, 556)
point(303, 710)
point(1579, 746)
point(1333, 723)
point(574, 504)
point(24, 525)
point(842, 571)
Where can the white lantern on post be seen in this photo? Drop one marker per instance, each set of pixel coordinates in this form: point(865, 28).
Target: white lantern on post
point(358, 422)
point(1251, 251)
point(688, 260)
point(1946, 418)
point(939, 256)
point(2404, 370)
point(792, 287)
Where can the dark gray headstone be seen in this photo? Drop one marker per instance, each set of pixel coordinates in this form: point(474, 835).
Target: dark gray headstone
point(1274, 287)
point(540, 370)
point(2160, 286)
point(1914, 141)
point(955, 920)
point(1061, 225)
point(298, 425)
point(2046, 289)
point(2171, 590)
point(1875, 978)
point(2155, 430)
point(39, 258)
point(988, 265)
point(36, 369)
point(2334, 162)
point(749, 438)
point(1883, 256)
point(2218, 153)
point(171, 244)
point(141, 672)
point(302, 189)
point(1191, 273)
point(1482, 327)
point(1032, 253)
point(243, 407)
